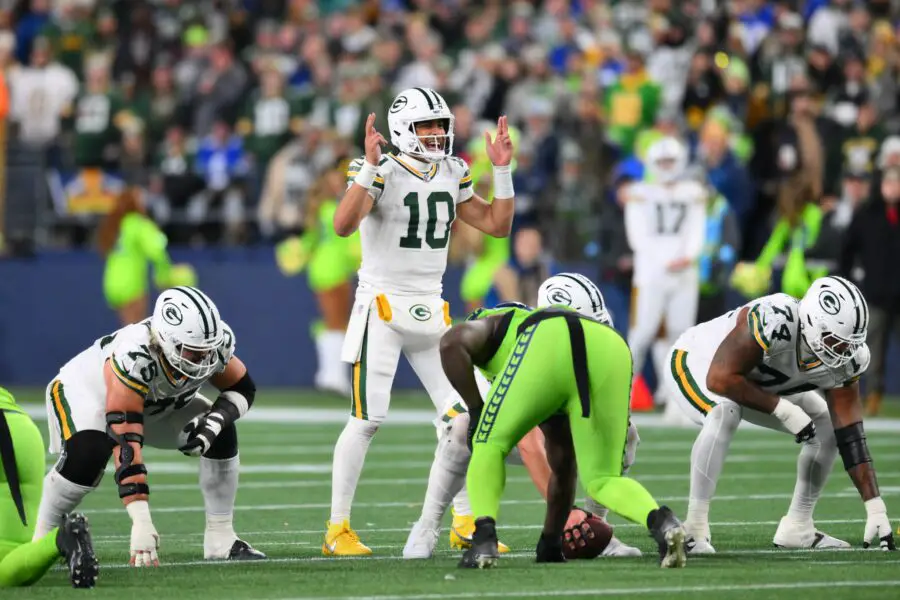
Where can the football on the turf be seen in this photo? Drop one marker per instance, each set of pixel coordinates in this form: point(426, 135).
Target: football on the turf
point(594, 545)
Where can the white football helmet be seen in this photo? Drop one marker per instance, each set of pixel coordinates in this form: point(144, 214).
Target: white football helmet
point(576, 291)
point(833, 320)
point(667, 159)
point(187, 327)
point(416, 105)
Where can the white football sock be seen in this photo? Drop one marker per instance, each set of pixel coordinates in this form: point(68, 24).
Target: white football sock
point(219, 483)
point(707, 459)
point(447, 479)
point(813, 467)
point(595, 507)
point(461, 505)
point(60, 497)
point(349, 457)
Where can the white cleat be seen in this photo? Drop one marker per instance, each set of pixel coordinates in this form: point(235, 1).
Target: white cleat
point(421, 542)
point(697, 544)
point(791, 534)
point(616, 548)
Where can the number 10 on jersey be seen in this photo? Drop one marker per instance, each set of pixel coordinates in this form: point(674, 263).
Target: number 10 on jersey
point(435, 199)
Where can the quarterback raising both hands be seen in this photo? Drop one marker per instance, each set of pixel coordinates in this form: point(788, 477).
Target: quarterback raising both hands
point(404, 205)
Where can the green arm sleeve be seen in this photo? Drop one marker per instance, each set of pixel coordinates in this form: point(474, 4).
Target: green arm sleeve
point(776, 242)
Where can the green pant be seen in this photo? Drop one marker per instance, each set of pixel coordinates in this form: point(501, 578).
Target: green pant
point(537, 382)
point(23, 562)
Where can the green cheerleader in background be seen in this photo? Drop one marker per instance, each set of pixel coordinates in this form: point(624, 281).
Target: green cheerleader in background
point(129, 240)
point(330, 262)
point(22, 561)
point(797, 228)
point(494, 252)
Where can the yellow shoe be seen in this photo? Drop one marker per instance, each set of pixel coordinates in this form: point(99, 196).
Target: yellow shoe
point(340, 540)
point(461, 534)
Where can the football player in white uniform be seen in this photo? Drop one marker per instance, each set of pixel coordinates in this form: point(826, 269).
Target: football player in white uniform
point(452, 455)
point(139, 384)
point(404, 206)
point(769, 362)
point(664, 221)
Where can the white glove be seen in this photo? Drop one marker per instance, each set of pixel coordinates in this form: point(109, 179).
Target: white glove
point(200, 433)
point(795, 420)
point(144, 539)
point(878, 526)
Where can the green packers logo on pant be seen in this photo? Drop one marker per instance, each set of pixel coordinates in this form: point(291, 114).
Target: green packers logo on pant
point(420, 312)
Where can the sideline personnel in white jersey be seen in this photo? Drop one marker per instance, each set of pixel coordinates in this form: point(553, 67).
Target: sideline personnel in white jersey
point(664, 221)
point(792, 366)
point(404, 206)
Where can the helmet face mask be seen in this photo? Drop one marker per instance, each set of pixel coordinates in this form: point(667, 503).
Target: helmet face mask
point(577, 292)
point(188, 331)
point(417, 106)
point(833, 320)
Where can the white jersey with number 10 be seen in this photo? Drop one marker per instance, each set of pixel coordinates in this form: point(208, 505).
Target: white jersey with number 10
point(406, 236)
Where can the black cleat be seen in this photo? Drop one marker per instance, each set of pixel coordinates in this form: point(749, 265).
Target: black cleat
point(74, 542)
point(241, 550)
point(666, 529)
point(484, 552)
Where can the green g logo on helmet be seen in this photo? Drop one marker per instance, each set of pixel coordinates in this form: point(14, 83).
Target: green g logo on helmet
point(420, 312)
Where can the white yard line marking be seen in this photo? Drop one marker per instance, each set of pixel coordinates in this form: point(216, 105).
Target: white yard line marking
point(663, 591)
point(502, 527)
point(319, 483)
point(318, 416)
point(417, 502)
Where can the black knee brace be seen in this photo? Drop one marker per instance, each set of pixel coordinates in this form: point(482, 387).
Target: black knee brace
point(84, 457)
point(225, 445)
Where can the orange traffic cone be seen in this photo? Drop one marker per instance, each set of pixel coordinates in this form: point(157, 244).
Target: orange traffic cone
point(641, 398)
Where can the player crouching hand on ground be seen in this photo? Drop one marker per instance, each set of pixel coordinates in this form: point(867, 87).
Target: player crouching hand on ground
point(791, 366)
point(141, 383)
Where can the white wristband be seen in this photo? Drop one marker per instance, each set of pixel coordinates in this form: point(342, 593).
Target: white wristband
point(503, 185)
point(366, 175)
point(139, 511)
point(791, 416)
point(875, 506)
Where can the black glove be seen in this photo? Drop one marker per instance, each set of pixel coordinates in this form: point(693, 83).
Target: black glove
point(474, 417)
point(806, 434)
point(201, 432)
point(549, 549)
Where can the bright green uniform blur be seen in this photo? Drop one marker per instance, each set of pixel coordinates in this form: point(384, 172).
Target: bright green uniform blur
point(533, 373)
point(330, 259)
point(140, 242)
point(23, 562)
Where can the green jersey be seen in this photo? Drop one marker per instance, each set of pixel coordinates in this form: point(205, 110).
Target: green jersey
point(504, 339)
point(140, 241)
point(95, 122)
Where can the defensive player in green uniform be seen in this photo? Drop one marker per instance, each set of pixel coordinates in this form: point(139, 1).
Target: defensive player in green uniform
point(570, 375)
point(23, 562)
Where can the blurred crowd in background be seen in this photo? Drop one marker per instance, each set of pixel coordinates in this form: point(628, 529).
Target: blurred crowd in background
point(228, 114)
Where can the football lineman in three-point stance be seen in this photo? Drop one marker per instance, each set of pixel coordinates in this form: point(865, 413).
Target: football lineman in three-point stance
point(141, 383)
point(569, 289)
point(404, 206)
point(769, 363)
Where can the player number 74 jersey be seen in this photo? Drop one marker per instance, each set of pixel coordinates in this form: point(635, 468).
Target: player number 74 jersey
point(788, 366)
point(405, 237)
